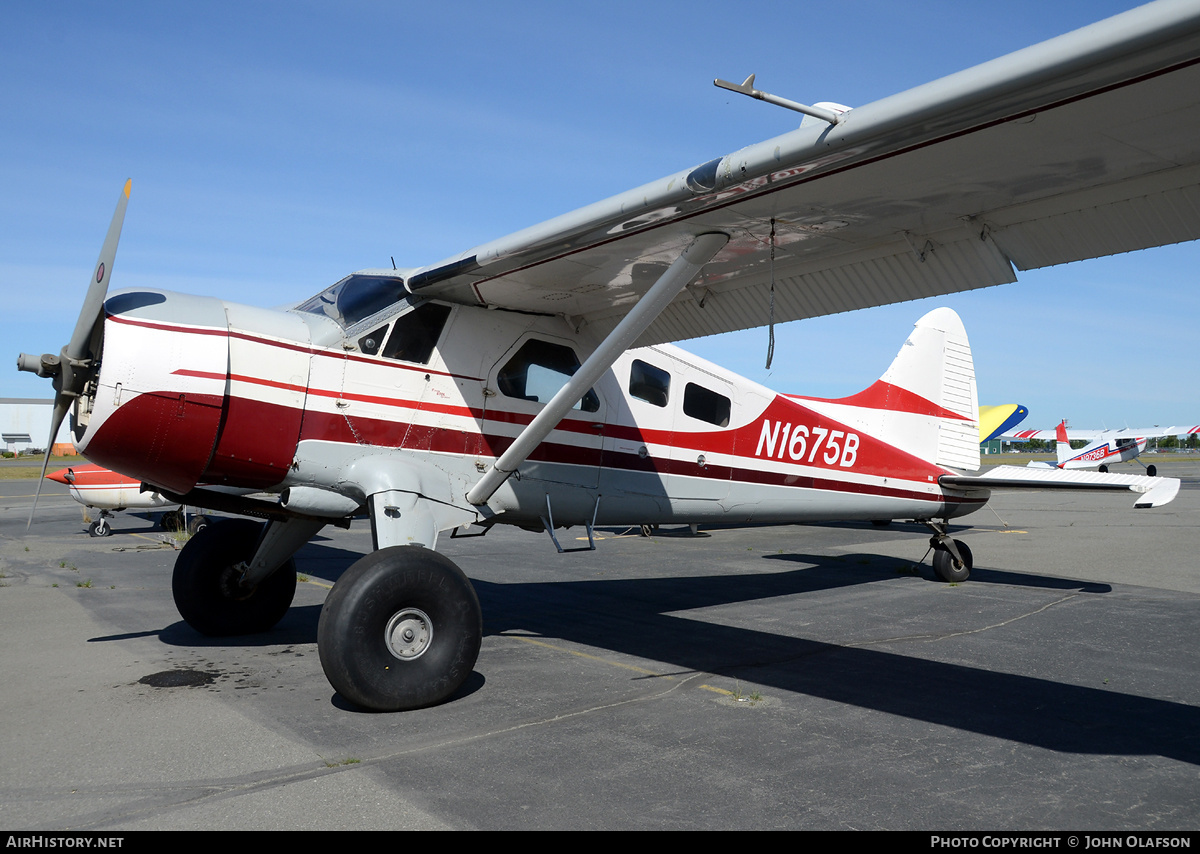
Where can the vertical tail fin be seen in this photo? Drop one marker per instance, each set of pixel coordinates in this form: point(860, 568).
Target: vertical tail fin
point(925, 403)
point(1062, 443)
point(935, 364)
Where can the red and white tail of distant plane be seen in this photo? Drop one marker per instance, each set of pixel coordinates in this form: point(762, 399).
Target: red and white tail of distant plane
point(1104, 447)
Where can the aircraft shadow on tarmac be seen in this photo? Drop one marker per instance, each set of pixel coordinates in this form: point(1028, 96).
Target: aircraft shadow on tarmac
point(848, 570)
point(634, 617)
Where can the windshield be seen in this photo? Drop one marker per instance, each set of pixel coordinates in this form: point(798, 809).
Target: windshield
point(356, 297)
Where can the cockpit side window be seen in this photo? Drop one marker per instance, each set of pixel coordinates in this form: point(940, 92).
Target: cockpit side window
point(538, 370)
point(416, 333)
point(356, 298)
point(370, 342)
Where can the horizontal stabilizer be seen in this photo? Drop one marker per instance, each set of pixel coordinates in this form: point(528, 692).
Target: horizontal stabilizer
point(1152, 491)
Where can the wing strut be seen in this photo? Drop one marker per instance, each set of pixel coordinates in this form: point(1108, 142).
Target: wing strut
point(684, 269)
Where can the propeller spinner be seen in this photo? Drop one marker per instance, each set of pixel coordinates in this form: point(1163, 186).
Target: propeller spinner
point(75, 365)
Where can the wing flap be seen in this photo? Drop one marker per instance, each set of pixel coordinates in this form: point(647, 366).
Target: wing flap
point(1045, 235)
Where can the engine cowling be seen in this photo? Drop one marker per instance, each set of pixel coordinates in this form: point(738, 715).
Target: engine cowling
point(193, 389)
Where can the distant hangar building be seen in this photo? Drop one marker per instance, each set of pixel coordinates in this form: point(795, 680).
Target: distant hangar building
point(25, 424)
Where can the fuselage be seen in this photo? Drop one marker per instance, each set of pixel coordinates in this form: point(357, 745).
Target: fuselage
point(196, 390)
point(1104, 452)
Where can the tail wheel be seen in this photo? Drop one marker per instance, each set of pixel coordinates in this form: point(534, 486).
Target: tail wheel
point(400, 630)
point(100, 528)
point(207, 587)
point(947, 568)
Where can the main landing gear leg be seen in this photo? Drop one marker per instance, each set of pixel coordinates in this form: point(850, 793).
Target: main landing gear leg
point(952, 560)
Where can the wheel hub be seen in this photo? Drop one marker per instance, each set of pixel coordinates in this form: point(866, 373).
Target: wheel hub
point(229, 583)
point(408, 634)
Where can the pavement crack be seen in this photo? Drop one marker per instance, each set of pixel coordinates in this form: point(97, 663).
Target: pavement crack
point(929, 638)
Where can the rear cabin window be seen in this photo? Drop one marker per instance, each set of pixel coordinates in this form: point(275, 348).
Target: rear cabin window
point(649, 383)
point(538, 370)
point(416, 333)
point(705, 405)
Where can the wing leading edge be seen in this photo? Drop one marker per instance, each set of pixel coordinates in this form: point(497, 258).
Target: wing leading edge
point(1082, 146)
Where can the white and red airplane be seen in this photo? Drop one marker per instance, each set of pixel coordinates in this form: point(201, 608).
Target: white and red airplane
point(110, 492)
point(1103, 448)
point(529, 381)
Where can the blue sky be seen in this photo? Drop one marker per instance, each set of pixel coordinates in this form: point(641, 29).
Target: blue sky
point(276, 146)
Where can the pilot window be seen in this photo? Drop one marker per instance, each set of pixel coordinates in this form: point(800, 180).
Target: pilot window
point(538, 370)
point(649, 383)
point(705, 405)
point(416, 333)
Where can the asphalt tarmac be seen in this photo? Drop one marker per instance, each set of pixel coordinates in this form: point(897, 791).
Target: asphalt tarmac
point(804, 677)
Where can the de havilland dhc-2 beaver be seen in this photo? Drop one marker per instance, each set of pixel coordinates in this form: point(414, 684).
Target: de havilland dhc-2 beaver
point(530, 380)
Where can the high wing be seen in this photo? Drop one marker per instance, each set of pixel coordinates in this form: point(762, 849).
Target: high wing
point(1123, 433)
point(1082, 146)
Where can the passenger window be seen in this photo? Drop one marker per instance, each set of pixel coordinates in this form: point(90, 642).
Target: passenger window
point(416, 333)
point(370, 342)
point(649, 383)
point(705, 405)
point(539, 370)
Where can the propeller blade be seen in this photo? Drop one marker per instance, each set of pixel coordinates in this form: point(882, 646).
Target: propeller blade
point(93, 303)
point(69, 376)
point(56, 420)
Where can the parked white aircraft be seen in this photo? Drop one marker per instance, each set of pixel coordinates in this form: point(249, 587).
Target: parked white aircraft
point(109, 492)
point(1104, 447)
point(528, 381)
